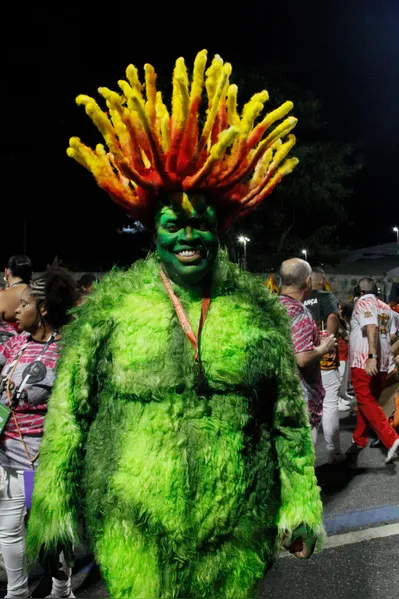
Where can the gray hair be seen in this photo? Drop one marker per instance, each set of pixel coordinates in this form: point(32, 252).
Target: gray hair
point(294, 272)
point(368, 285)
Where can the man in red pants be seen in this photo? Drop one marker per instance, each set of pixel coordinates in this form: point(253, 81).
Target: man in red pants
point(370, 358)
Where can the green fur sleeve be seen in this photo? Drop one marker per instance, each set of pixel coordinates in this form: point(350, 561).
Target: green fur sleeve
point(57, 497)
point(300, 495)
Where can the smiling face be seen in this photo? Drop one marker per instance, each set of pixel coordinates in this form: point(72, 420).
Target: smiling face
point(186, 238)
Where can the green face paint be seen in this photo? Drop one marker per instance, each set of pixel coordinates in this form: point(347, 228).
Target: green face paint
point(186, 238)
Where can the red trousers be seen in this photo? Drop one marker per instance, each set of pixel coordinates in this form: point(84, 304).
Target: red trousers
point(367, 390)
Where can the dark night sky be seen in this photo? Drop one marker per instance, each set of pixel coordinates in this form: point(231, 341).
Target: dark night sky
point(346, 52)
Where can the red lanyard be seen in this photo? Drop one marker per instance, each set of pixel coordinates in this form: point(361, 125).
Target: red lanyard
point(182, 316)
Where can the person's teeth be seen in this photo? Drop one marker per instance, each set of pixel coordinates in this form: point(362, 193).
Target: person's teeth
point(187, 253)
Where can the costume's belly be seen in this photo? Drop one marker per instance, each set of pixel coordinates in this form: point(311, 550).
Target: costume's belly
point(184, 467)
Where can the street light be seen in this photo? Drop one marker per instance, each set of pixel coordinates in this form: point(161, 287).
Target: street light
point(305, 253)
point(396, 230)
point(244, 241)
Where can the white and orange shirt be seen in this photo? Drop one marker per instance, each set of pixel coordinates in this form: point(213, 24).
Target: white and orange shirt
point(370, 310)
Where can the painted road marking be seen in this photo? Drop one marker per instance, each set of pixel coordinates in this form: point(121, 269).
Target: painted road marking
point(357, 536)
point(344, 522)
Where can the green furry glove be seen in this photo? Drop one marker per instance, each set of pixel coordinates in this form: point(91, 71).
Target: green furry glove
point(301, 542)
point(50, 560)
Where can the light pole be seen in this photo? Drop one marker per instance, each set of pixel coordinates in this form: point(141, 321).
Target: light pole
point(396, 230)
point(305, 253)
point(244, 241)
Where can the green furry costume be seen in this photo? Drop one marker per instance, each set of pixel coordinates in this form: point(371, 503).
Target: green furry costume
point(183, 496)
point(187, 475)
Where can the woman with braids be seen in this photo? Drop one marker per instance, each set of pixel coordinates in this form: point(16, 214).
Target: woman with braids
point(17, 274)
point(28, 363)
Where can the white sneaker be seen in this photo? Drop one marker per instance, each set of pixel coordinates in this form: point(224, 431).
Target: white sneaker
point(343, 405)
point(347, 397)
point(336, 458)
point(393, 453)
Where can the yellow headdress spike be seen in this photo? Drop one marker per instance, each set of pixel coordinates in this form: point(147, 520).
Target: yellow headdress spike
point(233, 117)
point(234, 160)
point(151, 91)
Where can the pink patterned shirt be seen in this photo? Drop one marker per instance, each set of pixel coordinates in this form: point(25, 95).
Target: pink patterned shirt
point(305, 337)
point(32, 406)
point(7, 330)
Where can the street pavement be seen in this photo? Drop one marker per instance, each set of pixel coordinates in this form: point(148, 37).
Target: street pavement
point(361, 516)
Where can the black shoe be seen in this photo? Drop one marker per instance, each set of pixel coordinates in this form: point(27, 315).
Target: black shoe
point(376, 443)
point(354, 449)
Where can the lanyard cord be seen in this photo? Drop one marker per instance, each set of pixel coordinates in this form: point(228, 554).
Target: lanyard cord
point(50, 340)
point(182, 316)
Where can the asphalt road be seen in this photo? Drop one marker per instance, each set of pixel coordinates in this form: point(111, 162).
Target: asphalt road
point(361, 515)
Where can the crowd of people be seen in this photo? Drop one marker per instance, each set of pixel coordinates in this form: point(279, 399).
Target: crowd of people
point(32, 316)
point(336, 344)
point(341, 343)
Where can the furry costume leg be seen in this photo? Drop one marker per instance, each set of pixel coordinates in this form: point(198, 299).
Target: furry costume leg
point(232, 572)
point(129, 560)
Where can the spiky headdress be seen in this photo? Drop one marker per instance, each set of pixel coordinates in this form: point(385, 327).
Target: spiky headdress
point(149, 152)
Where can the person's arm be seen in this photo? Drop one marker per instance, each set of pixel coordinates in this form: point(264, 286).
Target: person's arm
point(305, 358)
point(300, 514)
point(9, 302)
point(302, 335)
point(343, 332)
point(329, 312)
point(395, 348)
point(372, 338)
point(4, 354)
point(57, 501)
point(394, 332)
point(333, 324)
point(367, 314)
point(2, 304)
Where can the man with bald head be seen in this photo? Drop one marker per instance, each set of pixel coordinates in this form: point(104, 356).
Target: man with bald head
point(296, 286)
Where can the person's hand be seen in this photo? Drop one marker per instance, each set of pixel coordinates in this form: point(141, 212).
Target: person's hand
point(50, 559)
point(301, 542)
point(371, 367)
point(328, 344)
